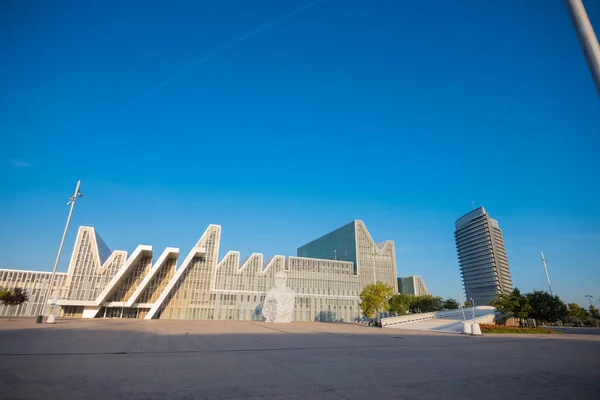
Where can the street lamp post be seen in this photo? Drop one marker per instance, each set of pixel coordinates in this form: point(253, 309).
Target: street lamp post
point(547, 276)
point(71, 203)
point(589, 296)
point(461, 305)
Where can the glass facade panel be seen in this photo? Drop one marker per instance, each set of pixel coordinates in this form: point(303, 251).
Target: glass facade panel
point(337, 245)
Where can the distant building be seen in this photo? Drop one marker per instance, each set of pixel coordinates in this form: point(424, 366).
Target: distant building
point(102, 283)
point(412, 285)
point(482, 257)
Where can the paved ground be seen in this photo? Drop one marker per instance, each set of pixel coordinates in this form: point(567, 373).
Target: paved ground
point(125, 359)
point(578, 331)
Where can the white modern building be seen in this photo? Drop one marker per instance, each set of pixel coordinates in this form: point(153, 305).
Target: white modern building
point(35, 284)
point(199, 285)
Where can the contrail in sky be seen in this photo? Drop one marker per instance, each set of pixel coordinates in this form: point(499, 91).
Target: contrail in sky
point(223, 48)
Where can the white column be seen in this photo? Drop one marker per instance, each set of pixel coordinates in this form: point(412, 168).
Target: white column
point(587, 38)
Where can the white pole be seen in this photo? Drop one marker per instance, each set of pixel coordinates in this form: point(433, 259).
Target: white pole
point(461, 305)
point(589, 296)
point(587, 38)
point(473, 307)
point(62, 242)
point(375, 277)
point(547, 276)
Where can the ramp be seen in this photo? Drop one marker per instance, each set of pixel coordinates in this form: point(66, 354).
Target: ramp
point(450, 321)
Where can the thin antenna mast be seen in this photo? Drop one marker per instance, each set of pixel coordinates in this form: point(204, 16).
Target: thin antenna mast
point(461, 305)
point(547, 276)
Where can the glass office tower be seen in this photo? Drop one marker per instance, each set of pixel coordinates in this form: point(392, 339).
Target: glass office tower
point(482, 257)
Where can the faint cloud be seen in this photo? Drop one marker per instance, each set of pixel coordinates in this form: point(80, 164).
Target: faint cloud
point(21, 163)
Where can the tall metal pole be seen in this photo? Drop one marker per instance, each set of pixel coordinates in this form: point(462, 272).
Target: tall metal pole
point(71, 202)
point(547, 276)
point(589, 296)
point(587, 38)
point(375, 281)
point(461, 305)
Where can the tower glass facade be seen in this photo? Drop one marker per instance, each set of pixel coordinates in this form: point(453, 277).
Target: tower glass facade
point(337, 245)
point(482, 257)
point(412, 285)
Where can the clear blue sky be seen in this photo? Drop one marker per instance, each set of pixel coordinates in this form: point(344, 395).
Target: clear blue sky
point(399, 112)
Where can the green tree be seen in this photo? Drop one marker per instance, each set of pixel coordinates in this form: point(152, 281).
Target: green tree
point(513, 304)
point(400, 303)
point(426, 303)
point(577, 313)
point(592, 316)
point(450, 304)
point(13, 297)
point(546, 307)
point(594, 312)
point(374, 299)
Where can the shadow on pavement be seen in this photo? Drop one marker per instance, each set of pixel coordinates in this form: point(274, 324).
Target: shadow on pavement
point(102, 359)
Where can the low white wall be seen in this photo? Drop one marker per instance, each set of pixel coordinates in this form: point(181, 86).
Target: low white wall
point(417, 317)
point(90, 312)
point(402, 319)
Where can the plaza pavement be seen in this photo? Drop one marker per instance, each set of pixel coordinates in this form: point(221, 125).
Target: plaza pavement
point(137, 359)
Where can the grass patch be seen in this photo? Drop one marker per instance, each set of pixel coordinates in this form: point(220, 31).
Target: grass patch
point(488, 328)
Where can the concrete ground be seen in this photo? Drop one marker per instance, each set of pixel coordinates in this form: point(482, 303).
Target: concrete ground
point(137, 359)
point(578, 331)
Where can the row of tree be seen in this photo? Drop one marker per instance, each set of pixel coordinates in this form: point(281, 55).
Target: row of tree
point(402, 303)
point(539, 305)
point(544, 307)
point(379, 298)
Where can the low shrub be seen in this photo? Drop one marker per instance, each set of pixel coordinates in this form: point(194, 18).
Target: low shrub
point(489, 328)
